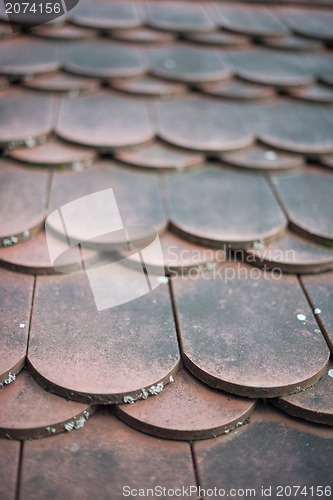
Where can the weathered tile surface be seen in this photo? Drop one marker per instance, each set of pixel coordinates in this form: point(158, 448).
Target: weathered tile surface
point(259, 157)
point(9, 463)
point(181, 17)
point(107, 15)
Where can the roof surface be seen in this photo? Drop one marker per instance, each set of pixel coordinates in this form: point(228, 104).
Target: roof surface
point(212, 122)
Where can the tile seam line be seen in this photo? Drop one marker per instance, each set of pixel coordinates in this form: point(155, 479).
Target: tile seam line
point(31, 313)
point(177, 324)
point(195, 468)
point(19, 472)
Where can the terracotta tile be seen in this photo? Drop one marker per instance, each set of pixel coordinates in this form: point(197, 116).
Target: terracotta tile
point(307, 199)
point(142, 35)
point(23, 195)
point(27, 117)
point(306, 22)
point(33, 256)
point(24, 55)
point(137, 196)
point(202, 124)
point(64, 32)
point(255, 456)
point(104, 59)
point(28, 411)
point(293, 254)
point(219, 38)
point(4, 83)
point(259, 157)
point(254, 20)
point(292, 42)
point(285, 125)
point(101, 120)
point(272, 67)
point(320, 292)
point(6, 30)
point(129, 351)
point(232, 215)
point(315, 93)
point(187, 409)
point(100, 460)
point(107, 15)
point(9, 463)
point(314, 404)
point(148, 86)
point(326, 160)
point(256, 348)
point(180, 16)
point(55, 153)
point(63, 82)
point(15, 304)
point(188, 64)
point(237, 89)
point(162, 157)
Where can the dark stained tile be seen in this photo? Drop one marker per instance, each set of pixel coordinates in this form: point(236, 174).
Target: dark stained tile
point(254, 20)
point(149, 86)
point(6, 30)
point(258, 157)
point(55, 153)
point(100, 460)
point(237, 89)
point(266, 346)
point(33, 256)
point(9, 464)
point(104, 59)
point(187, 409)
point(292, 43)
point(142, 35)
point(320, 292)
point(285, 125)
point(16, 294)
point(63, 82)
point(24, 55)
point(141, 189)
point(273, 450)
point(293, 254)
point(64, 32)
point(272, 67)
point(326, 160)
point(308, 202)
point(321, 65)
point(104, 121)
point(315, 93)
point(162, 157)
point(189, 64)
point(107, 15)
point(314, 404)
point(309, 23)
point(218, 38)
point(202, 124)
point(215, 206)
point(4, 83)
point(23, 195)
point(180, 16)
point(28, 411)
point(26, 117)
point(129, 351)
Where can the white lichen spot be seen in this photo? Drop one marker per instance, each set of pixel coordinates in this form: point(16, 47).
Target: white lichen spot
point(7, 242)
point(22, 325)
point(210, 266)
point(258, 245)
point(270, 155)
point(156, 389)
point(26, 234)
point(301, 317)
point(226, 431)
point(86, 414)
point(169, 63)
point(171, 379)
point(144, 394)
point(317, 310)
point(79, 423)
point(330, 373)
point(69, 426)
point(51, 430)
point(163, 280)
point(11, 377)
point(128, 399)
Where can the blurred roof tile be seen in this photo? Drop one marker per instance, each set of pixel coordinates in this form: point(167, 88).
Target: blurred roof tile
point(180, 16)
point(63, 82)
point(107, 15)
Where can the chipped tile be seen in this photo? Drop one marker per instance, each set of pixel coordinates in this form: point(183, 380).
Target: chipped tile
point(104, 121)
point(232, 215)
point(129, 350)
point(234, 344)
point(104, 59)
point(188, 64)
point(23, 195)
point(261, 158)
point(162, 157)
point(187, 409)
point(308, 202)
point(16, 294)
point(28, 411)
point(253, 458)
point(103, 458)
point(314, 404)
point(320, 292)
point(202, 124)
